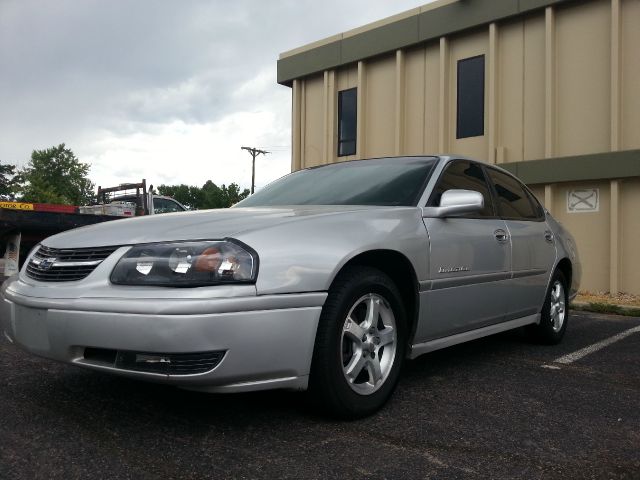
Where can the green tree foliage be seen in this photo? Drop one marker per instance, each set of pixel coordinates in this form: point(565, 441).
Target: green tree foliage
point(55, 175)
point(187, 195)
point(9, 182)
point(213, 196)
point(208, 196)
point(233, 194)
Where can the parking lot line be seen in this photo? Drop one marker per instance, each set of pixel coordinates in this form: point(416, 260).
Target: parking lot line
point(583, 352)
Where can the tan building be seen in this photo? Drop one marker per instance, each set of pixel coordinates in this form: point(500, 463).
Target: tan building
point(550, 90)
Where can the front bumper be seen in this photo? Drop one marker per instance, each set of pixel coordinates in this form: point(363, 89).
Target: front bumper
point(267, 340)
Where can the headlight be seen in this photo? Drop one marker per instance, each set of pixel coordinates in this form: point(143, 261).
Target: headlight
point(186, 264)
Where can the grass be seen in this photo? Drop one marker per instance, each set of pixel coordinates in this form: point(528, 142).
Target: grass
point(610, 308)
point(600, 297)
point(603, 302)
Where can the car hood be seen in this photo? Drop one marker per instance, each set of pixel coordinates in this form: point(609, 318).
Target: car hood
point(196, 225)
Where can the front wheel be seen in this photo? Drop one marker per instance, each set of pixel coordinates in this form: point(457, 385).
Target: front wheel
point(554, 315)
point(360, 344)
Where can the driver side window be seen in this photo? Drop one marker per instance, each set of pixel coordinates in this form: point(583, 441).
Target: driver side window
point(464, 175)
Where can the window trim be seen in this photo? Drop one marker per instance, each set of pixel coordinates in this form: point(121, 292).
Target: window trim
point(458, 103)
point(340, 141)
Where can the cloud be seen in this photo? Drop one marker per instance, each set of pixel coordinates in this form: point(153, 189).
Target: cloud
point(178, 152)
point(188, 152)
point(158, 89)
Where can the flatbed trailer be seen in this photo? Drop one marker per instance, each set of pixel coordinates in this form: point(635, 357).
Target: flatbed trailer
point(24, 225)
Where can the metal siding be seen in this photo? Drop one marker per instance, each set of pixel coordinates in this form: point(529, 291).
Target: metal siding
point(383, 39)
point(441, 21)
point(311, 61)
point(463, 15)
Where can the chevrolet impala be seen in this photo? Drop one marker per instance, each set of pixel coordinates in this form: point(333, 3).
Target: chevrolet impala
point(326, 280)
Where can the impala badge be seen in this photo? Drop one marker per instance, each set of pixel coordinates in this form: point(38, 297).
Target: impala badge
point(453, 269)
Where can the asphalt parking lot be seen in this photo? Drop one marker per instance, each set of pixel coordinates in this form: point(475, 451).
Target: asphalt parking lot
point(500, 407)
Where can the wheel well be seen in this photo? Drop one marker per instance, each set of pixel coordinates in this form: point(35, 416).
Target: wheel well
point(566, 268)
point(399, 269)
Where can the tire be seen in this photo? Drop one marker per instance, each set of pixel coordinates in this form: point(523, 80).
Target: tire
point(554, 316)
point(360, 344)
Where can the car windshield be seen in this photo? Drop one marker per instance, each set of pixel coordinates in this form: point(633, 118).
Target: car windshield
point(397, 181)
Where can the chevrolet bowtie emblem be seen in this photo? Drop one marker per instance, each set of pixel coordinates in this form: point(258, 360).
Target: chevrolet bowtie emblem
point(46, 264)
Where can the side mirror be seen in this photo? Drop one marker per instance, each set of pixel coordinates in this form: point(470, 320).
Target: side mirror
point(456, 202)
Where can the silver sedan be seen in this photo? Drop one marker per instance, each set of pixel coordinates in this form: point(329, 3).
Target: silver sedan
point(325, 280)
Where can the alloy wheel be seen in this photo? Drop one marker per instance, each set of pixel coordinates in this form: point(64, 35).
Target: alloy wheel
point(558, 311)
point(368, 343)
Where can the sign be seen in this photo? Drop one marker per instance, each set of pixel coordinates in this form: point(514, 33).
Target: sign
point(39, 207)
point(16, 205)
point(586, 200)
point(50, 207)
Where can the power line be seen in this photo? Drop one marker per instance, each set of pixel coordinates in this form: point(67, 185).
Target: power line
point(254, 152)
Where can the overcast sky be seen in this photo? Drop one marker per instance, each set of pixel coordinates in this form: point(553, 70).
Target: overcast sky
point(165, 90)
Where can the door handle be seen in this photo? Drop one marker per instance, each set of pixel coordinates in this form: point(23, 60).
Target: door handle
point(548, 236)
point(501, 235)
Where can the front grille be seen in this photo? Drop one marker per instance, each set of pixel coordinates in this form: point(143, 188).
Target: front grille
point(65, 264)
point(153, 362)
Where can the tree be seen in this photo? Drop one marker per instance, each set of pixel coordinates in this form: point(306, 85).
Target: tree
point(209, 195)
point(55, 175)
point(189, 196)
point(234, 195)
point(9, 182)
point(212, 196)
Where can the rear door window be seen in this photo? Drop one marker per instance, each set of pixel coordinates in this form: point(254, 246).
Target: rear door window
point(514, 201)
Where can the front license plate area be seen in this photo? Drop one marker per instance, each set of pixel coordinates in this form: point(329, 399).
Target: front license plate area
point(30, 326)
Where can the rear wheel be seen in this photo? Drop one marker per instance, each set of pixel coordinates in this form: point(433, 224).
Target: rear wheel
point(554, 315)
point(360, 344)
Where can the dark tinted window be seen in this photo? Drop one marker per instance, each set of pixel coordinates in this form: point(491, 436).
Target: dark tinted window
point(470, 97)
point(347, 121)
point(463, 175)
point(397, 181)
point(539, 210)
point(513, 199)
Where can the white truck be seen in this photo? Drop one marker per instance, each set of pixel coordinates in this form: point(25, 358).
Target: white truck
point(131, 199)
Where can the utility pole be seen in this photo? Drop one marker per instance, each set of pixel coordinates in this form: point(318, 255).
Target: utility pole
point(254, 153)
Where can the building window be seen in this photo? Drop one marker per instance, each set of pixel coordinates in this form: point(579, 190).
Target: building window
point(470, 97)
point(347, 121)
